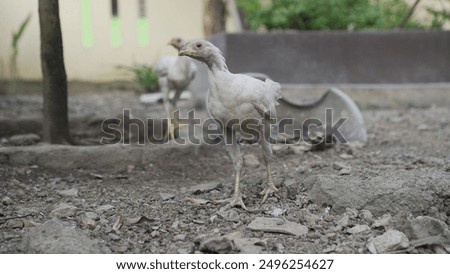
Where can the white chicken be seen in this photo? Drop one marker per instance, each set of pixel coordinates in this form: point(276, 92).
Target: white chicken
point(237, 101)
point(175, 73)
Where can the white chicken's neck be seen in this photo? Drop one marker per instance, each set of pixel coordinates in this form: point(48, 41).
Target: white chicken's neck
point(216, 62)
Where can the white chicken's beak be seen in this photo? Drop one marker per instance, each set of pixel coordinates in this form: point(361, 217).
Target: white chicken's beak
point(184, 52)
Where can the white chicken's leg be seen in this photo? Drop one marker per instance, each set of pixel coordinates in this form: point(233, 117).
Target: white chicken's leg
point(267, 155)
point(235, 153)
point(168, 135)
point(174, 122)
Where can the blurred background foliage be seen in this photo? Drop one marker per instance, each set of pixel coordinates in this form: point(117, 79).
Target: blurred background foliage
point(334, 14)
point(145, 76)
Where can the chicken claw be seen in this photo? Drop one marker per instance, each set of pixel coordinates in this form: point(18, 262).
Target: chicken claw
point(234, 201)
point(267, 191)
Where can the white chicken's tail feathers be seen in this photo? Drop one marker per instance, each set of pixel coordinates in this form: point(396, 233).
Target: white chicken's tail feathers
point(274, 89)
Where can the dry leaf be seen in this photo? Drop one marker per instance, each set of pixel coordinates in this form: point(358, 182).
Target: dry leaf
point(138, 220)
point(197, 201)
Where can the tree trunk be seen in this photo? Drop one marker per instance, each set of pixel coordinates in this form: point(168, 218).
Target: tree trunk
point(54, 83)
point(215, 17)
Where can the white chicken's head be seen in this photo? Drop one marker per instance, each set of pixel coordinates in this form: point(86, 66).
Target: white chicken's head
point(201, 50)
point(177, 42)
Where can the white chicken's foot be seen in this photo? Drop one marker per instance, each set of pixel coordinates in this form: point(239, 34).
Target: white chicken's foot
point(236, 200)
point(268, 190)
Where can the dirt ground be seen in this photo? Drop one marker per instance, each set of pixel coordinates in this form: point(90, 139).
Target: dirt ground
point(166, 206)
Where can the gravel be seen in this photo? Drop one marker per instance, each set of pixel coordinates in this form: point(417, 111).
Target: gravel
point(159, 199)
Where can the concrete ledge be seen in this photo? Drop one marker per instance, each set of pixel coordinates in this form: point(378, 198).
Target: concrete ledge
point(113, 158)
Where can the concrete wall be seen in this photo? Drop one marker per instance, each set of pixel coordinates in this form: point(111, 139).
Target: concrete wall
point(341, 57)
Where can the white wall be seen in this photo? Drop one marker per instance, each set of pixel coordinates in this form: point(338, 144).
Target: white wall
point(166, 19)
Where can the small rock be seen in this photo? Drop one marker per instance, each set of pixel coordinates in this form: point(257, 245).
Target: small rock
point(391, 240)
point(73, 192)
point(425, 226)
point(130, 168)
point(92, 215)
point(104, 208)
point(220, 245)
point(14, 223)
point(175, 224)
point(279, 247)
point(423, 127)
point(345, 249)
point(366, 215)
point(359, 229)
point(331, 235)
point(155, 234)
point(64, 210)
point(299, 149)
point(228, 214)
point(340, 166)
point(272, 225)
point(206, 187)
point(329, 249)
point(119, 248)
point(166, 196)
point(29, 223)
point(197, 201)
point(24, 139)
point(138, 220)
point(249, 245)
point(55, 237)
point(351, 212)
point(346, 156)
point(383, 221)
point(6, 201)
point(250, 160)
point(70, 179)
point(343, 222)
point(306, 217)
point(199, 222)
point(114, 236)
point(277, 212)
point(88, 223)
point(180, 237)
point(345, 171)
point(40, 194)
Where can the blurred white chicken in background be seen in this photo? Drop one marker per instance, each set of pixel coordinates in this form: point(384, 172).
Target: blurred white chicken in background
point(175, 73)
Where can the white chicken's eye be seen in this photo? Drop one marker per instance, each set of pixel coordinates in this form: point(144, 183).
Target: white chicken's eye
point(198, 45)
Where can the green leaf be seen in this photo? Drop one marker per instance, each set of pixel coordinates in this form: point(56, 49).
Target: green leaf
point(19, 33)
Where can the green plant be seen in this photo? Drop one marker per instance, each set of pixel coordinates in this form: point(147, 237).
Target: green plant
point(16, 37)
point(324, 14)
point(439, 17)
point(145, 76)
